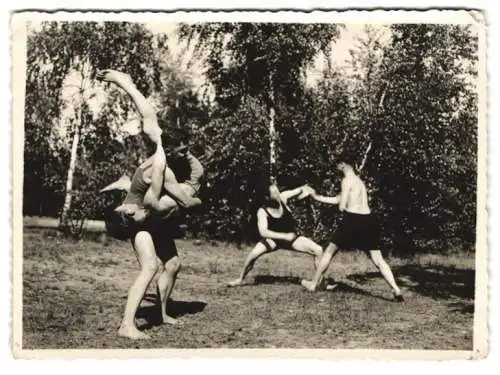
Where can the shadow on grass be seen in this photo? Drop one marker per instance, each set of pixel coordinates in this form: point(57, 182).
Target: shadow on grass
point(339, 287)
point(175, 309)
point(462, 307)
point(437, 282)
point(347, 288)
point(270, 279)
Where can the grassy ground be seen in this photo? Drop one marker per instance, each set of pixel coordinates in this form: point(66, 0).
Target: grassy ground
point(74, 295)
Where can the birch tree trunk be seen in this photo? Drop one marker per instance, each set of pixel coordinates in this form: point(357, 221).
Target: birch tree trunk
point(71, 170)
point(272, 131)
point(178, 115)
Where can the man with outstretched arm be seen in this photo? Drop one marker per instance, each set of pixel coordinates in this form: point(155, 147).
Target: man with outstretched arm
point(358, 229)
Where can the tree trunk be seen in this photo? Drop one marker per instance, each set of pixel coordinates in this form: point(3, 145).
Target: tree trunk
point(272, 131)
point(272, 143)
point(178, 115)
point(69, 180)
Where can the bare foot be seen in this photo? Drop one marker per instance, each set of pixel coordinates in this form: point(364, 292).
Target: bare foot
point(132, 333)
point(123, 183)
point(331, 287)
point(128, 208)
point(169, 320)
point(236, 282)
point(308, 284)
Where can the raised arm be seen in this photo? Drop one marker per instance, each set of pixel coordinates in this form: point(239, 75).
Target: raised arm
point(287, 194)
point(145, 109)
point(325, 199)
point(266, 233)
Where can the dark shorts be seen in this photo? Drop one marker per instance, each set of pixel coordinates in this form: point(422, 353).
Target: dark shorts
point(280, 244)
point(357, 231)
point(123, 227)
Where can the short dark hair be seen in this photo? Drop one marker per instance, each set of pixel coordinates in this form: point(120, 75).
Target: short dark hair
point(347, 157)
point(262, 194)
point(174, 137)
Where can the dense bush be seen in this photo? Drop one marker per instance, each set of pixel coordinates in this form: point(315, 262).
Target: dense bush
point(407, 107)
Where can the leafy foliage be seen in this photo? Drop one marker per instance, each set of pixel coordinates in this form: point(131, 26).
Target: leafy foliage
point(406, 103)
point(63, 58)
point(425, 162)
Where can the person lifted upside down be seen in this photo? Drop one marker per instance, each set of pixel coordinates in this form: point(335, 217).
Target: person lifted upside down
point(143, 197)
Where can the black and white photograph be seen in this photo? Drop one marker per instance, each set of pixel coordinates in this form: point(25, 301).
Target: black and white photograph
point(289, 181)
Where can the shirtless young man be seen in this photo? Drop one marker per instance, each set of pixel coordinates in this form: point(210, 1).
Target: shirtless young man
point(358, 229)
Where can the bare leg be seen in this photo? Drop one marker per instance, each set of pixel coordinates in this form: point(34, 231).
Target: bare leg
point(308, 246)
point(123, 183)
point(165, 284)
point(259, 250)
point(381, 264)
point(328, 254)
point(147, 112)
point(145, 251)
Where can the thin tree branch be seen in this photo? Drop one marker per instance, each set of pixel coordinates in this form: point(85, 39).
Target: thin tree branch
point(365, 157)
point(343, 141)
point(382, 97)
